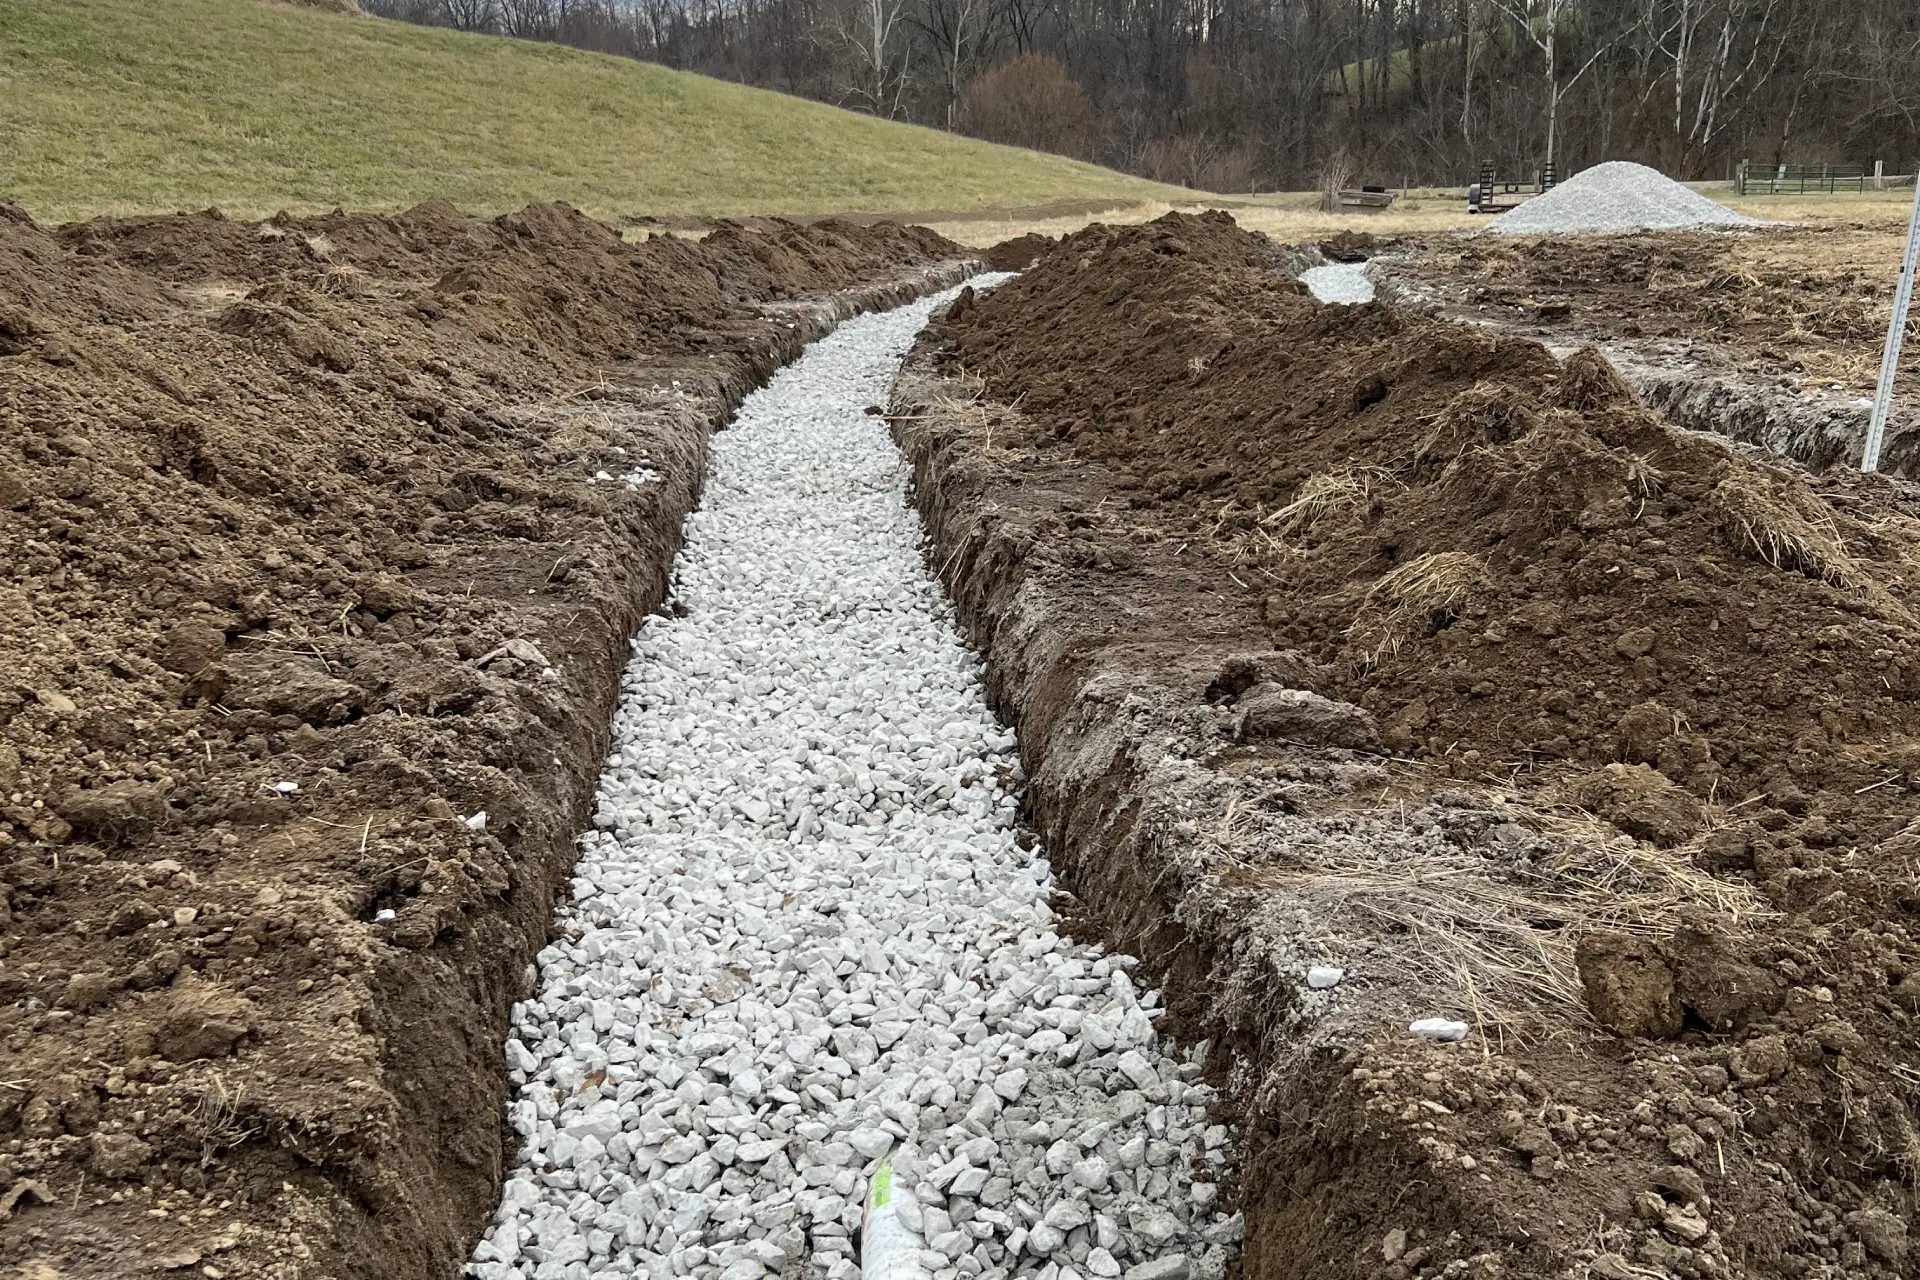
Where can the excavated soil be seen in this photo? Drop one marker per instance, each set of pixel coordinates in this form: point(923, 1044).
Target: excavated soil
point(1806, 304)
point(1347, 635)
point(1018, 253)
point(1773, 335)
point(324, 540)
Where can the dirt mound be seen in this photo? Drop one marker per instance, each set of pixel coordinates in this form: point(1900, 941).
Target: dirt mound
point(1571, 624)
point(1468, 531)
point(327, 537)
point(1018, 253)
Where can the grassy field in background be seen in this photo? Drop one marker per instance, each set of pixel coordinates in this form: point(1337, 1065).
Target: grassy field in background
point(126, 106)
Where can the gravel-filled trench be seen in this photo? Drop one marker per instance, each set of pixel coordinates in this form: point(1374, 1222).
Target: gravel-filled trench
point(808, 933)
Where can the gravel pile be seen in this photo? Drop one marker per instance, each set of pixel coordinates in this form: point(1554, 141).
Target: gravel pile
point(805, 937)
point(1617, 196)
point(1343, 282)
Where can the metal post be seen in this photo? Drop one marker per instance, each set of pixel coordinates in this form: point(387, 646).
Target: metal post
point(1896, 331)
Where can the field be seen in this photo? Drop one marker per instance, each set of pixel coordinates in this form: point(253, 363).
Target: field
point(117, 108)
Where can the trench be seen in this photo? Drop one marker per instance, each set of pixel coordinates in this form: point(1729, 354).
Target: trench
point(809, 939)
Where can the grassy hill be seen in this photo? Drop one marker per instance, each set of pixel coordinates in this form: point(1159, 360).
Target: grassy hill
point(122, 106)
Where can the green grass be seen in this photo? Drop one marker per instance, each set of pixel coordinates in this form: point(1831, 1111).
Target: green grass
point(129, 106)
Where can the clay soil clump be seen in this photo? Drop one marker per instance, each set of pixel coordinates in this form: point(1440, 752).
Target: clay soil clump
point(324, 538)
point(1599, 735)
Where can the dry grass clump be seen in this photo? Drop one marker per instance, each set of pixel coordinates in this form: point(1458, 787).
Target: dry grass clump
point(1494, 934)
point(217, 1121)
point(1331, 495)
point(1785, 529)
point(1413, 599)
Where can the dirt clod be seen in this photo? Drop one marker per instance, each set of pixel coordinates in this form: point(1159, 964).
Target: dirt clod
point(1641, 801)
point(1269, 711)
point(1629, 987)
point(1018, 253)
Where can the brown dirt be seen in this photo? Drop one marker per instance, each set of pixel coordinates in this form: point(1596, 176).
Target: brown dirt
point(1018, 253)
point(1805, 306)
point(309, 564)
point(1650, 691)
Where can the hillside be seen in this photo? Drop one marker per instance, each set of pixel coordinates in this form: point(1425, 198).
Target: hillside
point(120, 107)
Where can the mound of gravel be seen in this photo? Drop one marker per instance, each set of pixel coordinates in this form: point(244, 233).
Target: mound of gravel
point(1617, 196)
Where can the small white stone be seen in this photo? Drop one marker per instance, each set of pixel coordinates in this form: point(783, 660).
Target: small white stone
point(1439, 1029)
point(1134, 1066)
point(1322, 976)
point(969, 1182)
point(870, 1141)
point(1044, 1240)
point(1173, 1266)
point(1091, 1173)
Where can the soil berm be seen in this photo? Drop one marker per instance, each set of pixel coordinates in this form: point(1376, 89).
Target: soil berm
point(1341, 636)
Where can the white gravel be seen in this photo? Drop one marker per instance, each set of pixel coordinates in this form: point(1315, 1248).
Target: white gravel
point(1343, 282)
point(1617, 196)
point(804, 934)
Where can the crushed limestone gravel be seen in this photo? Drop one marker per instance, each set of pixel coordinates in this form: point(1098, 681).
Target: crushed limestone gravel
point(1617, 196)
point(806, 934)
point(1341, 282)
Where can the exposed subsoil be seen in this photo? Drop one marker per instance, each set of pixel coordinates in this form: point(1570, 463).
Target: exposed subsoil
point(1347, 635)
point(1775, 332)
point(324, 538)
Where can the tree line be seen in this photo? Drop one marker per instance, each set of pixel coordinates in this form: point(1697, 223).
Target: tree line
point(1238, 95)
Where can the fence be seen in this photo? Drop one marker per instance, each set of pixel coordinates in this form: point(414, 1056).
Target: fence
point(1752, 179)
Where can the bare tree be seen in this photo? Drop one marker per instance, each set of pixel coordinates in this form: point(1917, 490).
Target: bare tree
point(471, 15)
point(870, 28)
point(531, 19)
point(1264, 92)
point(954, 30)
point(1539, 21)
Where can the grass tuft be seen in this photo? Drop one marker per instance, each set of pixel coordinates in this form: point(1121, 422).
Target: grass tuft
point(1329, 495)
point(1771, 527)
point(1414, 599)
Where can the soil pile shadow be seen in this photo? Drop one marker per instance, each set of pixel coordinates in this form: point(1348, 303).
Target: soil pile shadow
point(324, 538)
point(1609, 727)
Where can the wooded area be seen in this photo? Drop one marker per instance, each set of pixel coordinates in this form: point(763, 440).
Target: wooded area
point(1235, 95)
